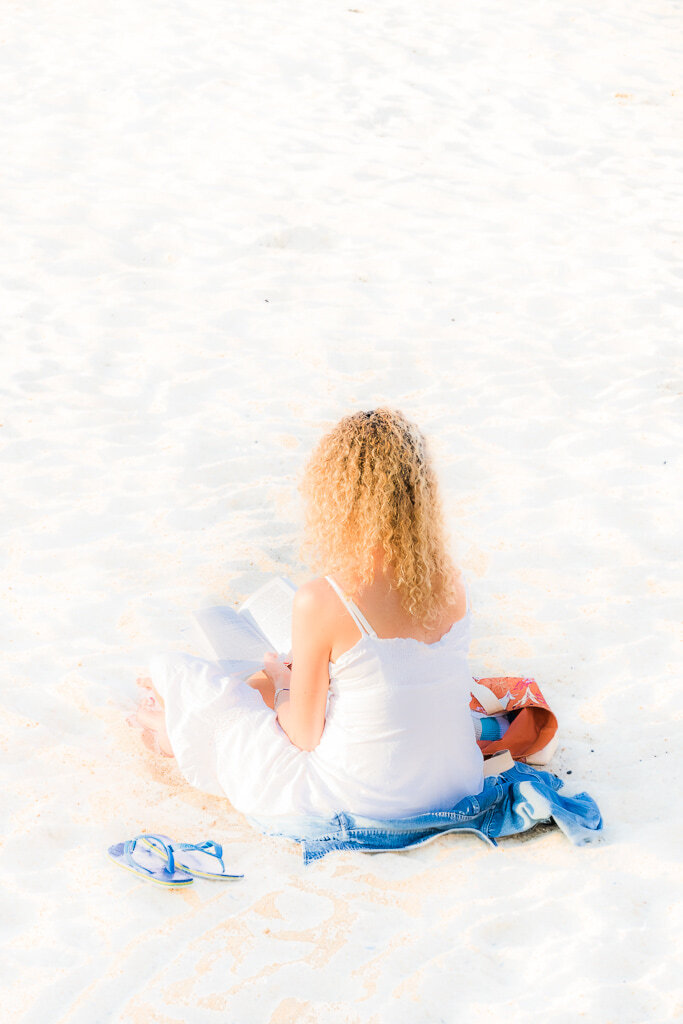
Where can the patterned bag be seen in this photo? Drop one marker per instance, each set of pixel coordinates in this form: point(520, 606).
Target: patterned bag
point(531, 735)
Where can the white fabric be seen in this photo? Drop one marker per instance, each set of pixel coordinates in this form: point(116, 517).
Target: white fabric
point(398, 736)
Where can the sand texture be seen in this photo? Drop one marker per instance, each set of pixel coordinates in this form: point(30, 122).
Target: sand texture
point(223, 227)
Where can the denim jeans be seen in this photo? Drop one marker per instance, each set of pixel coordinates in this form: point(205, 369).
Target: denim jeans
point(511, 802)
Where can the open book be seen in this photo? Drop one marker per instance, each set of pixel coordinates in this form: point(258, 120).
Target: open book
point(240, 637)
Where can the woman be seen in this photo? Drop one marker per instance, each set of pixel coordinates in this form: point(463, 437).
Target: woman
point(373, 717)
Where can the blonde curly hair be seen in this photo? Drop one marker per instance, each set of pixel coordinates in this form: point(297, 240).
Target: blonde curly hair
point(369, 484)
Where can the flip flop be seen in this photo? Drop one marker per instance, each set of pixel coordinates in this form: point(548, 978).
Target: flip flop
point(146, 864)
point(197, 859)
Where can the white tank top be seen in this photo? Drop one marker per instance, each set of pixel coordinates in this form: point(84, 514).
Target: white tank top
point(399, 737)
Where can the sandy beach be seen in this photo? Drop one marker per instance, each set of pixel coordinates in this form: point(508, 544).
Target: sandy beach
point(225, 226)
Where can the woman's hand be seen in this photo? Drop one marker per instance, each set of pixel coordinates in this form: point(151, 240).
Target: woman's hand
point(277, 670)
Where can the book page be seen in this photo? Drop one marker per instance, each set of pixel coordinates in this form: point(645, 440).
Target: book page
point(231, 635)
point(269, 610)
point(242, 669)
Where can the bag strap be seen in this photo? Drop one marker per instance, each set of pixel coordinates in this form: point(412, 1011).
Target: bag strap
point(487, 699)
point(497, 763)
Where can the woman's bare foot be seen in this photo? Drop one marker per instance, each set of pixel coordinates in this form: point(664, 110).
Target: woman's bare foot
point(145, 683)
point(151, 741)
point(150, 717)
point(153, 721)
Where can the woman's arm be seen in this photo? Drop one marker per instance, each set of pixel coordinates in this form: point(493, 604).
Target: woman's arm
point(302, 716)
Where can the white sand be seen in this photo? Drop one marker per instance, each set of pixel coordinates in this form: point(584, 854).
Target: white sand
point(223, 226)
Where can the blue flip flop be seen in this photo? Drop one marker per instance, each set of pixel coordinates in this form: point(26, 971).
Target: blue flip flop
point(197, 859)
point(147, 864)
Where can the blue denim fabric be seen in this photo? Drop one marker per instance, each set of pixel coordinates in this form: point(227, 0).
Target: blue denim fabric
point(511, 802)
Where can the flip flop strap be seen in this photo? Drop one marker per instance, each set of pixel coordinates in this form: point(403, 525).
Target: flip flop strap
point(156, 841)
point(204, 847)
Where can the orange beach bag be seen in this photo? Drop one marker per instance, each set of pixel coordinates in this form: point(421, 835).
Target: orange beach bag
point(532, 734)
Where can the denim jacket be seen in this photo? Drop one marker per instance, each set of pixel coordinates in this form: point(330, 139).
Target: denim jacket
point(513, 801)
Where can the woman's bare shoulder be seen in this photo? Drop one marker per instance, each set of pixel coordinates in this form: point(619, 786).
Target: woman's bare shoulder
point(315, 588)
point(315, 610)
point(315, 597)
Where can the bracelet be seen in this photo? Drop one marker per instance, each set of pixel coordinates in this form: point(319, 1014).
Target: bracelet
point(278, 695)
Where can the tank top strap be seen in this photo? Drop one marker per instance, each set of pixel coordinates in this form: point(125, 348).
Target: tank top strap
point(355, 612)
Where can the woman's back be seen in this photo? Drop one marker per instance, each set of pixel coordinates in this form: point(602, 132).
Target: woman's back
point(398, 734)
point(381, 603)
